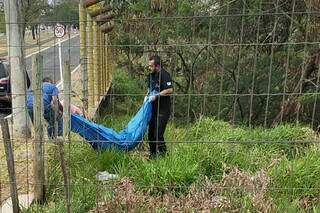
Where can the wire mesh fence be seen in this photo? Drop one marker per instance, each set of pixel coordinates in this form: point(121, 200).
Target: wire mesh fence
point(244, 114)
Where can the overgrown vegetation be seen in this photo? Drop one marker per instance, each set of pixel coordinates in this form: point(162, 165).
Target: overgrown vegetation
point(226, 156)
point(211, 165)
point(236, 52)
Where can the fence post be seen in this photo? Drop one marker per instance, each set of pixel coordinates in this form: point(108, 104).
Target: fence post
point(39, 189)
point(107, 61)
point(83, 55)
point(102, 69)
point(10, 165)
point(66, 130)
point(66, 100)
point(90, 62)
point(96, 61)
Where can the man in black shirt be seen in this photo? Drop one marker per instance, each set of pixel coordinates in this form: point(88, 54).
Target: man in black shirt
point(159, 80)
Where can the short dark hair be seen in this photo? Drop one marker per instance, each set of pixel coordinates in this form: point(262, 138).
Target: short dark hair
point(156, 59)
point(47, 79)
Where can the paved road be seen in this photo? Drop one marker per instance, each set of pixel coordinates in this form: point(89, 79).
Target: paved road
point(69, 51)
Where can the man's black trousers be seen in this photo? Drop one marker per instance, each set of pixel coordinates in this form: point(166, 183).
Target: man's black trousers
point(157, 127)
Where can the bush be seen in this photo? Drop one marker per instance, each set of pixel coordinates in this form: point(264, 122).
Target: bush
point(128, 92)
point(124, 83)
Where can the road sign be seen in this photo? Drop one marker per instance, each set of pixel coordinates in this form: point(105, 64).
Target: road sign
point(59, 31)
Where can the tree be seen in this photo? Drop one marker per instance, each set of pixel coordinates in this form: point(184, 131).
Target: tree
point(33, 13)
point(14, 29)
point(65, 12)
point(228, 47)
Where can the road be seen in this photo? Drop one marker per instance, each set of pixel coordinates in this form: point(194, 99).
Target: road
point(69, 51)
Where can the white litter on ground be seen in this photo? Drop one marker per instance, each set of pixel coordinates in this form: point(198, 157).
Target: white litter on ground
point(103, 176)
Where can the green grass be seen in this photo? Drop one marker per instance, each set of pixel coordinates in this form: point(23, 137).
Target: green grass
point(189, 162)
point(206, 150)
point(297, 179)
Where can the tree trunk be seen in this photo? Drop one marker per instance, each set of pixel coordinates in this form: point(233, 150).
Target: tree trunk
point(14, 31)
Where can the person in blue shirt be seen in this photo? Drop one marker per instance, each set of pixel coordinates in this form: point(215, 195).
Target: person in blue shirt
point(50, 97)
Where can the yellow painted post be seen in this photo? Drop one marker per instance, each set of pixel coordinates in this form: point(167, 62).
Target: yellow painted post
point(83, 56)
point(96, 61)
point(102, 63)
point(110, 67)
point(99, 62)
point(107, 62)
point(90, 62)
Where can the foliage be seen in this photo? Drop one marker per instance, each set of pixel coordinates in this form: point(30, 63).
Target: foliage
point(128, 91)
point(34, 11)
point(210, 47)
point(65, 12)
point(126, 83)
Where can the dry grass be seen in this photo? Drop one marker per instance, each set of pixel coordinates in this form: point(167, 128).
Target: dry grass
point(30, 44)
point(23, 169)
point(203, 195)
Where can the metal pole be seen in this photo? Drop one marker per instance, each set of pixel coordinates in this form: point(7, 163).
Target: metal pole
point(60, 62)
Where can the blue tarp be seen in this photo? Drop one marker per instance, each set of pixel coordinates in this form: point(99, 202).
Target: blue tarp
point(103, 138)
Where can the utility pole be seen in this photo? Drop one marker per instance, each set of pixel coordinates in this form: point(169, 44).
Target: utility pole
point(14, 32)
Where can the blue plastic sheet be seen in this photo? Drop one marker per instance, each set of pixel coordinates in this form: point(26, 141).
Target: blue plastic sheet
point(103, 138)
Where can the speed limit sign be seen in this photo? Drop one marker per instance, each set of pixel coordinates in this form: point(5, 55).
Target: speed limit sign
point(59, 31)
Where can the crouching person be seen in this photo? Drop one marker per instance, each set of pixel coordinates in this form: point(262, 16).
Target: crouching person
point(50, 98)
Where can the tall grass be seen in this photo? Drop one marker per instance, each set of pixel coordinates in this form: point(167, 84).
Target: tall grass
point(222, 147)
point(205, 149)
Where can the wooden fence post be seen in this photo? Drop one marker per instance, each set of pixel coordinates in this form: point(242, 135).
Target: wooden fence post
point(10, 165)
point(96, 61)
point(38, 164)
point(83, 55)
point(66, 130)
point(66, 100)
point(91, 81)
point(101, 47)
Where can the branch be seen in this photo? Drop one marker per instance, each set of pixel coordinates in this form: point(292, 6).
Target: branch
point(194, 62)
point(186, 68)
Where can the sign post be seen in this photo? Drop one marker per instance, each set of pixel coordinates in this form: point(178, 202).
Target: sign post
point(59, 32)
